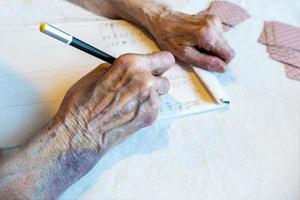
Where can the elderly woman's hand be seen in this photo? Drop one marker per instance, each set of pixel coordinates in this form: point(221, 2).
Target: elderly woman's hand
point(111, 102)
point(98, 112)
point(194, 39)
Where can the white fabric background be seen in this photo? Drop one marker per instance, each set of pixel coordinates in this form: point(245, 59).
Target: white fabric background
point(251, 151)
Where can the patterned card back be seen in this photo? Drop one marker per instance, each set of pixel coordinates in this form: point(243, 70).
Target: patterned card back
point(283, 44)
point(230, 14)
point(285, 55)
point(292, 72)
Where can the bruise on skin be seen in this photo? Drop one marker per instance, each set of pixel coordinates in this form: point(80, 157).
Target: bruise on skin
point(52, 135)
point(74, 165)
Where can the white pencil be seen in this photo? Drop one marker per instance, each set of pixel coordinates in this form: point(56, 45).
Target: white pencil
point(212, 85)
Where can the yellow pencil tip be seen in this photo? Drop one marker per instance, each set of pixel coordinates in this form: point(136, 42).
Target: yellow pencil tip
point(43, 27)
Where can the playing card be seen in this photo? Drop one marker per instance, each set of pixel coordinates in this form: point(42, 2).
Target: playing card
point(266, 33)
point(230, 14)
point(270, 34)
point(283, 44)
point(285, 55)
point(263, 37)
point(286, 36)
point(292, 72)
point(226, 27)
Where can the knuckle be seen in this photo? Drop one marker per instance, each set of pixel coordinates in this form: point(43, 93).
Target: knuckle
point(70, 93)
point(127, 61)
point(212, 19)
point(184, 52)
point(122, 60)
point(212, 24)
point(151, 113)
point(132, 63)
point(71, 97)
point(143, 80)
point(151, 119)
point(206, 37)
point(147, 84)
point(205, 33)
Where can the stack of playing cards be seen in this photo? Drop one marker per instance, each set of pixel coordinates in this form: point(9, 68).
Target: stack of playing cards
point(283, 44)
point(229, 13)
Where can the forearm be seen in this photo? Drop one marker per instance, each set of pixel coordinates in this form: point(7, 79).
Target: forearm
point(46, 166)
point(139, 12)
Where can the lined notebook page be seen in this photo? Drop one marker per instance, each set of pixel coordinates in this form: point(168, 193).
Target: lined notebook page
point(36, 71)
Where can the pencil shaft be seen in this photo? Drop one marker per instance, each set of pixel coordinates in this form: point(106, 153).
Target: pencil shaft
point(92, 50)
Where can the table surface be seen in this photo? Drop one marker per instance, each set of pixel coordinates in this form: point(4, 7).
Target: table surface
point(251, 151)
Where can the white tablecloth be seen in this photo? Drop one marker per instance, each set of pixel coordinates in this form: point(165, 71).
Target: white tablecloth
point(251, 151)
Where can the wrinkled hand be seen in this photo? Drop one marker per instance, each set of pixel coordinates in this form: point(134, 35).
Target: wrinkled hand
point(98, 112)
point(194, 39)
point(111, 102)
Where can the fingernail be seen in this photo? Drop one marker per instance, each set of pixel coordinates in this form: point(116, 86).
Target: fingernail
point(222, 69)
point(232, 55)
point(219, 68)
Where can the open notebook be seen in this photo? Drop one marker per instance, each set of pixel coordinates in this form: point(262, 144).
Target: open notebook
point(36, 71)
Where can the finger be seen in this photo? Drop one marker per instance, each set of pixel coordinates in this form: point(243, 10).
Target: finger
point(150, 109)
point(213, 41)
point(219, 49)
point(159, 63)
point(193, 56)
point(161, 85)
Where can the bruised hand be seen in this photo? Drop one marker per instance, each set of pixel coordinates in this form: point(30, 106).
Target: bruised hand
point(100, 111)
